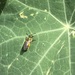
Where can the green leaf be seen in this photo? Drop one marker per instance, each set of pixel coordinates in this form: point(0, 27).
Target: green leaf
point(52, 22)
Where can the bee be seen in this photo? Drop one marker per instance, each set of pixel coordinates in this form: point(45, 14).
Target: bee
point(27, 43)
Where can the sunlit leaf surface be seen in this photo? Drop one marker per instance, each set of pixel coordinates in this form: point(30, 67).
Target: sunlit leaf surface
point(52, 22)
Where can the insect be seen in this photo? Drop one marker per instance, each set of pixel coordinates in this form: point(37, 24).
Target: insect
point(27, 43)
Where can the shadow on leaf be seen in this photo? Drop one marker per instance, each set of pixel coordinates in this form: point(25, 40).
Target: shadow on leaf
point(2, 5)
point(22, 51)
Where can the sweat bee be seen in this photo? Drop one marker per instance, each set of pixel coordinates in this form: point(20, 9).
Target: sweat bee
point(27, 43)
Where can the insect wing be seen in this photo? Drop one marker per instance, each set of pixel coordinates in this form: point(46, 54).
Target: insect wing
point(25, 47)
